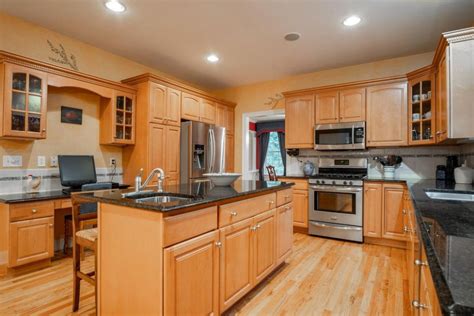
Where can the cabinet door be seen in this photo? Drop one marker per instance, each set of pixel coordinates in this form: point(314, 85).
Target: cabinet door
point(156, 154)
point(299, 121)
point(236, 262)
point(31, 240)
point(191, 277)
point(190, 107)
point(352, 105)
point(124, 118)
point(284, 231)
point(173, 107)
point(300, 207)
point(25, 94)
point(157, 103)
point(392, 217)
point(229, 120)
point(387, 115)
point(264, 244)
point(220, 115)
point(327, 108)
point(373, 210)
point(208, 112)
point(229, 153)
point(171, 153)
point(441, 102)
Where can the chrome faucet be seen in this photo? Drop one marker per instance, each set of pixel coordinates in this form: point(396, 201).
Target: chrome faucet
point(138, 179)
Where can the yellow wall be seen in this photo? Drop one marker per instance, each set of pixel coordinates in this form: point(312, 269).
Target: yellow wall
point(66, 138)
point(252, 98)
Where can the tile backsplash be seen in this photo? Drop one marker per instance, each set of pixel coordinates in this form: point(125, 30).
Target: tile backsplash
point(418, 162)
point(16, 180)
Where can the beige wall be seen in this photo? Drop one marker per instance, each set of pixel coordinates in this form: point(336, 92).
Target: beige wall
point(66, 138)
point(252, 98)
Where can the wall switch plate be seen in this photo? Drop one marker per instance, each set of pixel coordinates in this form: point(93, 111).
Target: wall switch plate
point(12, 161)
point(41, 161)
point(53, 161)
point(113, 162)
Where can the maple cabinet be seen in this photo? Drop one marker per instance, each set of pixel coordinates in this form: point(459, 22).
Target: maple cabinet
point(327, 108)
point(300, 204)
point(387, 115)
point(117, 119)
point(384, 211)
point(225, 118)
point(340, 106)
point(264, 244)
point(163, 151)
point(165, 104)
point(441, 100)
point(24, 104)
point(284, 231)
point(299, 122)
point(191, 276)
point(229, 153)
point(207, 113)
point(198, 109)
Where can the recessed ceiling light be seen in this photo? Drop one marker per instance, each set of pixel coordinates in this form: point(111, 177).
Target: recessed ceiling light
point(212, 58)
point(352, 20)
point(293, 36)
point(115, 5)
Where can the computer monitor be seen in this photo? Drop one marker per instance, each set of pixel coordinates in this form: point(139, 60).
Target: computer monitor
point(76, 170)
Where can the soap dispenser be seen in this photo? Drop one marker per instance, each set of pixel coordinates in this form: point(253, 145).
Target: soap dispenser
point(463, 174)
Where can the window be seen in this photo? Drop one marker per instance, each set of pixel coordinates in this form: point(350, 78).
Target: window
point(273, 154)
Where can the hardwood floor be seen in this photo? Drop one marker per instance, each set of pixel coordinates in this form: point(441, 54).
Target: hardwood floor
point(322, 277)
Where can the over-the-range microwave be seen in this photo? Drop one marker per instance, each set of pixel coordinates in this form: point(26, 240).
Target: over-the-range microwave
point(340, 136)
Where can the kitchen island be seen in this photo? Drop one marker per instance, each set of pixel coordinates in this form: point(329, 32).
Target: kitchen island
point(191, 249)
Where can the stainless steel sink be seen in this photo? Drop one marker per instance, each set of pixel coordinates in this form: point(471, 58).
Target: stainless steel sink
point(162, 199)
point(450, 196)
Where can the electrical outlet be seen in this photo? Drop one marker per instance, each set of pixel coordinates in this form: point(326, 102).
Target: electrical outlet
point(53, 161)
point(113, 162)
point(41, 161)
point(12, 161)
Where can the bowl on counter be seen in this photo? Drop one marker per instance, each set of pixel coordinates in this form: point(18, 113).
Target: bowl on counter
point(222, 179)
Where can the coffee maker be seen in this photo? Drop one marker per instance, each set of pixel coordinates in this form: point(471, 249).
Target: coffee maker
point(451, 164)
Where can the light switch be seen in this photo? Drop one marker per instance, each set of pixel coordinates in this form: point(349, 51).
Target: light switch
point(53, 161)
point(12, 161)
point(41, 161)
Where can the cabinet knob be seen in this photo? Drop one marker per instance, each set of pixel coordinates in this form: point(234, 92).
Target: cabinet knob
point(50, 225)
point(218, 244)
point(43, 130)
point(253, 228)
point(233, 213)
point(406, 229)
point(287, 207)
point(257, 226)
point(34, 211)
point(404, 211)
point(418, 305)
point(418, 262)
point(271, 202)
point(287, 197)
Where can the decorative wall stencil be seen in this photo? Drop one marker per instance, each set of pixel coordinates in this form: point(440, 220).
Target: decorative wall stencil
point(71, 115)
point(273, 101)
point(62, 57)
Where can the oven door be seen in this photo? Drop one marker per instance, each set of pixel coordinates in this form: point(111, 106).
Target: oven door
point(338, 205)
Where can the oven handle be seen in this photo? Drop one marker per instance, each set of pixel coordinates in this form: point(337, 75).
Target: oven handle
point(336, 226)
point(335, 190)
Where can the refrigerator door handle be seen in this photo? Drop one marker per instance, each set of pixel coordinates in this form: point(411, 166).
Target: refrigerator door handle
point(212, 151)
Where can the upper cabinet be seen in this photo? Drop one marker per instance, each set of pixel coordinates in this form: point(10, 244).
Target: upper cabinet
point(225, 118)
point(117, 120)
point(164, 104)
point(421, 109)
point(190, 107)
point(441, 101)
point(207, 113)
point(387, 115)
point(24, 102)
point(299, 121)
point(340, 106)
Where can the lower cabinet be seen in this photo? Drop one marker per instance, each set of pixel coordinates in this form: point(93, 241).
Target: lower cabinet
point(191, 265)
point(31, 240)
point(284, 231)
point(264, 244)
point(300, 202)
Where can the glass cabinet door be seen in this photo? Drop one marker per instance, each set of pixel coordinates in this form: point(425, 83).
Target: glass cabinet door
point(25, 102)
point(421, 114)
point(124, 119)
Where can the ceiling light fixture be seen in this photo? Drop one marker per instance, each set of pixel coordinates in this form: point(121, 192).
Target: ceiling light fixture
point(293, 36)
point(115, 5)
point(352, 20)
point(212, 58)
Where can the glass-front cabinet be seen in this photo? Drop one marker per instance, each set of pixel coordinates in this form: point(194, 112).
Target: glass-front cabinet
point(24, 103)
point(421, 114)
point(119, 120)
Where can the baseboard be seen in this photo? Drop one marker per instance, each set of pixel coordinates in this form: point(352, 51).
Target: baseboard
point(386, 242)
point(301, 230)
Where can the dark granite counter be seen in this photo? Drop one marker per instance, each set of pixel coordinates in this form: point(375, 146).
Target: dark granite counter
point(381, 178)
point(294, 177)
point(33, 197)
point(447, 232)
point(198, 194)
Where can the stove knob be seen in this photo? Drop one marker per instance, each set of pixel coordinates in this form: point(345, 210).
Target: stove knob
point(350, 182)
point(322, 181)
point(317, 181)
point(345, 182)
point(333, 182)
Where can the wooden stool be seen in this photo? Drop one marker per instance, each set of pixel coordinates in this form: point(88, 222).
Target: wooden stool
point(90, 223)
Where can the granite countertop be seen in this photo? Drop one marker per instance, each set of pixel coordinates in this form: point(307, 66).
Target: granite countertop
point(447, 232)
point(33, 196)
point(382, 178)
point(198, 193)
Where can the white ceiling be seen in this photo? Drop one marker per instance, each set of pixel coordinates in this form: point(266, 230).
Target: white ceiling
point(175, 36)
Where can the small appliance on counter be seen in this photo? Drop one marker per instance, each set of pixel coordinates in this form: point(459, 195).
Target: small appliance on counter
point(441, 172)
point(336, 199)
point(463, 174)
point(451, 164)
point(389, 164)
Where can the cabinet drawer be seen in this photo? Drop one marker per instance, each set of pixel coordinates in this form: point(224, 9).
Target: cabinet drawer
point(184, 226)
point(284, 196)
point(32, 210)
point(299, 183)
point(234, 212)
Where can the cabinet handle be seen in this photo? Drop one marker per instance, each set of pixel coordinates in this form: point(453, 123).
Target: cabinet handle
point(418, 262)
point(50, 225)
point(404, 211)
point(287, 197)
point(253, 228)
point(34, 211)
point(218, 244)
point(287, 208)
point(43, 130)
point(258, 226)
point(418, 305)
point(233, 213)
point(271, 202)
point(406, 229)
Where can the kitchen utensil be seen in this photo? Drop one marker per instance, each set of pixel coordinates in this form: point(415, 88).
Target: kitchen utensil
point(415, 116)
point(390, 160)
point(416, 97)
point(424, 96)
point(389, 171)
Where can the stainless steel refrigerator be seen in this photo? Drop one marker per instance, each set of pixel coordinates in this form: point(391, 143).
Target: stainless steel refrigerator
point(202, 151)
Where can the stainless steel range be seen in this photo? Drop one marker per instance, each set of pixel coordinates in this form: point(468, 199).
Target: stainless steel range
point(336, 199)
